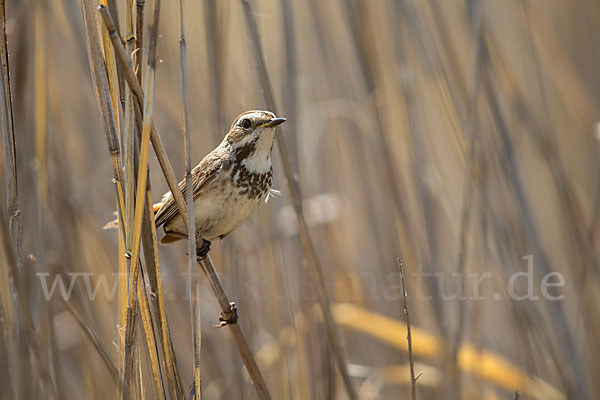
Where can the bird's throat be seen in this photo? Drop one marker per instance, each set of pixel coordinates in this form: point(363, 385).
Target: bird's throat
point(255, 155)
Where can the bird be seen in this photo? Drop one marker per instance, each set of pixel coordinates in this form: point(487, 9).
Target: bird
point(229, 184)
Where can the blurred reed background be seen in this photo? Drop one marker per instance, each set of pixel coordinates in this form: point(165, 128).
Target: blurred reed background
point(458, 136)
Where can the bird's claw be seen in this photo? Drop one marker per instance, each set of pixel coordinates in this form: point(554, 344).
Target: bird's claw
point(202, 251)
point(228, 317)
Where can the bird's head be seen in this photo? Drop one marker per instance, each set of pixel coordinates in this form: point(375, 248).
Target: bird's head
point(251, 135)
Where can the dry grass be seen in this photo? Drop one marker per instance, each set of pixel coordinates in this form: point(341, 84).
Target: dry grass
point(459, 136)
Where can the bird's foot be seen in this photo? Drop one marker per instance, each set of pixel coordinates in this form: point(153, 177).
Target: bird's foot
point(228, 317)
point(202, 251)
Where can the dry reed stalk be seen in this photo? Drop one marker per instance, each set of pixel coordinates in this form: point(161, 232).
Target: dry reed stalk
point(156, 300)
point(40, 171)
point(192, 272)
point(10, 152)
point(139, 38)
point(111, 72)
point(316, 270)
point(115, 84)
point(413, 378)
point(46, 345)
point(10, 314)
point(149, 334)
point(41, 123)
point(139, 205)
point(236, 332)
point(23, 309)
point(595, 213)
point(112, 6)
point(122, 306)
point(128, 142)
point(137, 379)
point(8, 306)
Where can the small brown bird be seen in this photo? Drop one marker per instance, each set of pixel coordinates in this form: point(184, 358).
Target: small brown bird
point(229, 184)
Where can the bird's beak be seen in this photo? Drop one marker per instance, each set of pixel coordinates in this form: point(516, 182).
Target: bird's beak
point(274, 122)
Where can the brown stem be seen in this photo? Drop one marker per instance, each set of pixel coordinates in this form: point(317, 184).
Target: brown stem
point(192, 273)
point(236, 332)
point(413, 378)
point(10, 152)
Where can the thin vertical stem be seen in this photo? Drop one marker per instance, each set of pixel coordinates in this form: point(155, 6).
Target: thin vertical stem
point(150, 337)
point(130, 178)
point(12, 198)
point(41, 118)
point(192, 272)
point(111, 72)
point(139, 37)
point(10, 152)
point(411, 363)
point(26, 321)
point(41, 156)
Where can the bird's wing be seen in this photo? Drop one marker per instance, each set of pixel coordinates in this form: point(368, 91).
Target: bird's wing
point(202, 175)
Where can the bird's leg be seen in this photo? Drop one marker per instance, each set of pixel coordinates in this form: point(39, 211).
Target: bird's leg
point(228, 317)
point(205, 248)
point(202, 251)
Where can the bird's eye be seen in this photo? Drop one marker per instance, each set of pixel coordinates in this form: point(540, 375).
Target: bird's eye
point(245, 123)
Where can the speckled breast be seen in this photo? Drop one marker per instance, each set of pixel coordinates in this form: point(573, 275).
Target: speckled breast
point(251, 184)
